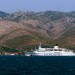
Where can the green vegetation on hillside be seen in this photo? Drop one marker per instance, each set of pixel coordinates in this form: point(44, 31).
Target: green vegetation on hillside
point(7, 49)
point(24, 42)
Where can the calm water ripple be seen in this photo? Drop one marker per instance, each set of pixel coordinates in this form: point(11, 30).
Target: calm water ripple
point(22, 65)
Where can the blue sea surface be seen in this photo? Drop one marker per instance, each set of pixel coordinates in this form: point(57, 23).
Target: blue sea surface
point(36, 65)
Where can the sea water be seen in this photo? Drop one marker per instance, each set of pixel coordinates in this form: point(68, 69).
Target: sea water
point(36, 65)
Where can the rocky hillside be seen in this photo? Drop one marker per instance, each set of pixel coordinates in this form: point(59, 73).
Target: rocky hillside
point(22, 30)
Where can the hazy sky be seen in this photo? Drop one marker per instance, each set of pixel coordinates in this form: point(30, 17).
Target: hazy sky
point(37, 5)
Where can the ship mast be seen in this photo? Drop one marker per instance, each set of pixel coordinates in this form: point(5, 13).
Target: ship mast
point(40, 46)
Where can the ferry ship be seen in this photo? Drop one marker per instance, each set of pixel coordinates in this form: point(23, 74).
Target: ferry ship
point(56, 51)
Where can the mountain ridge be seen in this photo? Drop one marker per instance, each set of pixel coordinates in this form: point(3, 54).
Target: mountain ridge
point(47, 27)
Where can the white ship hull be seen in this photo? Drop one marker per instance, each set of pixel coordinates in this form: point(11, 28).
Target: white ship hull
point(56, 51)
point(53, 54)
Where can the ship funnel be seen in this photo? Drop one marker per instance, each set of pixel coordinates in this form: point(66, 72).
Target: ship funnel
point(56, 46)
